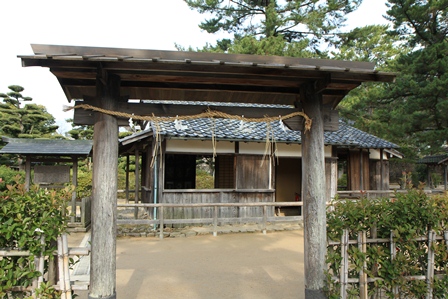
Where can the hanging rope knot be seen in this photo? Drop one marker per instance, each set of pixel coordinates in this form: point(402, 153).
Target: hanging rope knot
point(308, 123)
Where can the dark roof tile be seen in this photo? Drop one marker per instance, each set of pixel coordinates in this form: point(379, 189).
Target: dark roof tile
point(46, 147)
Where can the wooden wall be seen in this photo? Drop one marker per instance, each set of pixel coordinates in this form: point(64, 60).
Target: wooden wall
point(354, 170)
point(376, 183)
point(216, 196)
point(251, 173)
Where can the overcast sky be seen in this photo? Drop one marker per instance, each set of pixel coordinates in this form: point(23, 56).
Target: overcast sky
point(141, 24)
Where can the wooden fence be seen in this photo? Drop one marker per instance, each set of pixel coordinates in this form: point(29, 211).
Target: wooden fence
point(161, 220)
point(80, 215)
point(63, 253)
point(362, 280)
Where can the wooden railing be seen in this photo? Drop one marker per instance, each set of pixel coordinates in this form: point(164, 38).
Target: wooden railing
point(215, 220)
point(80, 218)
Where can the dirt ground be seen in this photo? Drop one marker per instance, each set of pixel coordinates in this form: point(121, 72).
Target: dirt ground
point(240, 266)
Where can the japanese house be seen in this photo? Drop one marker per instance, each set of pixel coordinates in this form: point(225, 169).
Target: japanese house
point(253, 161)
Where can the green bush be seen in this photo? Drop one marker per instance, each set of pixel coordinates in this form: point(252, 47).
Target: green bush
point(25, 217)
point(408, 216)
point(84, 188)
point(204, 180)
point(9, 176)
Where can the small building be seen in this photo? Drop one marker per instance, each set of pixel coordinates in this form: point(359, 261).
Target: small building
point(54, 163)
point(436, 170)
point(252, 162)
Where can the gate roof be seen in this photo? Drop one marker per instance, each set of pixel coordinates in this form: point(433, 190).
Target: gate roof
point(197, 76)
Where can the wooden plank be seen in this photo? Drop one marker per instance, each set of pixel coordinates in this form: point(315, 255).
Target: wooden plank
point(194, 56)
point(219, 204)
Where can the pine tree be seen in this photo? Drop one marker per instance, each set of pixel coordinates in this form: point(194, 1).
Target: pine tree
point(29, 121)
point(309, 22)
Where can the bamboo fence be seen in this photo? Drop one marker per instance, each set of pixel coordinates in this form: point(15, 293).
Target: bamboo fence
point(63, 253)
point(363, 280)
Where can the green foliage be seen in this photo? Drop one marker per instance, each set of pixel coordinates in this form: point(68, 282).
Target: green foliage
point(204, 180)
point(25, 218)
point(10, 176)
point(84, 188)
point(411, 111)
point(372, 43)
point(408, 216)
point(420, 23)
point(30, 121)
point(273, 45)
point(436, 179)
point(80, 132)
point(294, 21)
point(342, 181)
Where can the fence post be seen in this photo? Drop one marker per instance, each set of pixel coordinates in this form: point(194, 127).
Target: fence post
point(161, 222)
point(430, 269)
point(344, 265)
point(41, 261)
point(362, 246)
point(215, 221)
point(265, 219)
point(393, 255)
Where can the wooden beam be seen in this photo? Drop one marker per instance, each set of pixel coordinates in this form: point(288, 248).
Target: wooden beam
point(104, 202)
point(313, 195)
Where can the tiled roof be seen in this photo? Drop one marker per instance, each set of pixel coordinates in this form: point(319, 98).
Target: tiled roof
point(46, 147)
point(228, 129)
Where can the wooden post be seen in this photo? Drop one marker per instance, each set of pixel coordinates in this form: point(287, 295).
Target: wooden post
point(161, 224)
point(74, 183)
point(27, 173)
point(137, 181)
point(314, 190)
point(104, 202)
point(430, 268)
point(215, 221)
point(265, 219)
point(393, 255)
point(343, 273)
point(127, 178)
point(381, 170)
point(362, 246)
point(147, 170)
point(445, 176)
point(361, 170)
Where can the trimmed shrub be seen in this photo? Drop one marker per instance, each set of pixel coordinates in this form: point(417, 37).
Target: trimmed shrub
point(25, 217)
